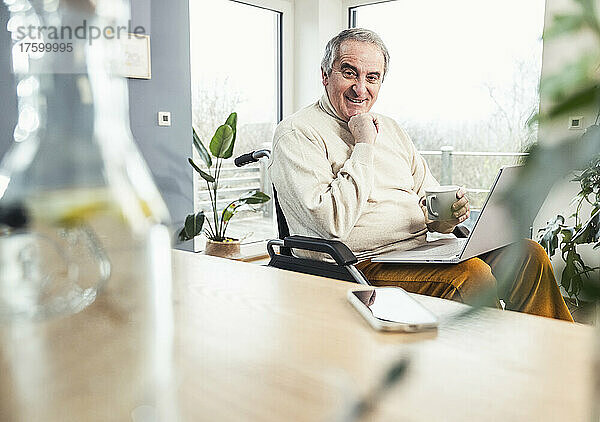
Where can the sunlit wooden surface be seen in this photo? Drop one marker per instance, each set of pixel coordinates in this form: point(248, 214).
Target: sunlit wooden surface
point(253, 343)
point(256, 343)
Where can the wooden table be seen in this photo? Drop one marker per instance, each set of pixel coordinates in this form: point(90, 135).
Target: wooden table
point(253, 343)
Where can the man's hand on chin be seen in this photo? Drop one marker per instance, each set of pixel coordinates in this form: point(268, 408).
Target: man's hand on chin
point(364, 128)
point(460, 210)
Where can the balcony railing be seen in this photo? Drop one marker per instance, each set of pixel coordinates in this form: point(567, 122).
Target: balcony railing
point(253, 226)
point(447, 155)
point(236, 181)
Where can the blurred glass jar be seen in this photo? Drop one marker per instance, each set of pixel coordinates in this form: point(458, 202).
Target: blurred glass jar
point(82, 224)
point(74, 190)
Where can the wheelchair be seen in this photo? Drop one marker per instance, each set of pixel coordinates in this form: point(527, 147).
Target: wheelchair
point(342, 269)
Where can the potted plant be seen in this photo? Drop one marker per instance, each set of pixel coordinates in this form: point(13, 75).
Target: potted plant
point(583, 230)
point(220, 147)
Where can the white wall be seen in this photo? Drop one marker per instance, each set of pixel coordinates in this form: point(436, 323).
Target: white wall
point(308, 25)
point(557, 53)
point(315, 23)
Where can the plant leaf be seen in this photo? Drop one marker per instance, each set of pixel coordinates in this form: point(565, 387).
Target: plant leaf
point(251, 198)
point(568, 274)
point(193, 224)
point(204, 175)
point(572, 274)
point(201, 149)
point(588, 232)
point(192, 227)
point(229, 211)
point(584, 97)
point(254, 197)
point(232, 122)
point(576, 85)
point(576, 75)
point(548, 236)
point(221, 141)
point(567, 234)
point(563, 24)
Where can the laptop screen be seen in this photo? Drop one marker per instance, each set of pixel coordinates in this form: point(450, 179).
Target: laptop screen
point(494, 227)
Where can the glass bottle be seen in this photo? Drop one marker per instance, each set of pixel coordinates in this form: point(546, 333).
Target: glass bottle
point(84, 251)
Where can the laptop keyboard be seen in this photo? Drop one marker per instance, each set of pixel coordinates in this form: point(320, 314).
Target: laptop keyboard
point(450, 249)
point(439, 250)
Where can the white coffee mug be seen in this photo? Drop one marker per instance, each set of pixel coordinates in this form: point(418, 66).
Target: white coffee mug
point(439, 202)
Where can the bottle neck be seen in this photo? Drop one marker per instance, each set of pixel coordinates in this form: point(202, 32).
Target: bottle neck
point(73, 129)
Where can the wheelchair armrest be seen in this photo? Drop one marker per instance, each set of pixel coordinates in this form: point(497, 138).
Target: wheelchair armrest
point(340, 253)
point(343, 269)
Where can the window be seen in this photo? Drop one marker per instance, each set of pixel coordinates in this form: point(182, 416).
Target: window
point(236, 66)
point(463, 74)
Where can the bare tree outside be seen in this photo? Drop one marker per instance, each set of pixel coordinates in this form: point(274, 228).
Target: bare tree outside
point(212, 102)
point(474, 94)
point(237, 74)
point(507, 129)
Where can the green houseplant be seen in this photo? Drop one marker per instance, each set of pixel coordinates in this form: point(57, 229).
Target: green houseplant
point(220, 148)
point(574, 88)
point(557, 234)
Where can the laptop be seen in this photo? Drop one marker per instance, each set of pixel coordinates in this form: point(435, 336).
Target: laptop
point(492, 230)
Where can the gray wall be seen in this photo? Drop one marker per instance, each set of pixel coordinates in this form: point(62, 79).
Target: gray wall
point(8, 98)
point(165, 148)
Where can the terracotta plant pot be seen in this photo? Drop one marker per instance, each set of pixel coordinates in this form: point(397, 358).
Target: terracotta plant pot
point(227, 249)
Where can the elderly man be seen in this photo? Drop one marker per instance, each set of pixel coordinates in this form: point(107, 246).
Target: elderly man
point(342, 172)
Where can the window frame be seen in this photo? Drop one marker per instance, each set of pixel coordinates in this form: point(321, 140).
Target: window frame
point(285, 76)
point(350, 6)
point(285, 67)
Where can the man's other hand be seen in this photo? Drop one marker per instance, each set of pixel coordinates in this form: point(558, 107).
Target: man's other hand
point(364, 128)
point(460, 210)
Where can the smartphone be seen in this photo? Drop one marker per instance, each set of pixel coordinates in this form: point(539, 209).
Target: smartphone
point(392, 309)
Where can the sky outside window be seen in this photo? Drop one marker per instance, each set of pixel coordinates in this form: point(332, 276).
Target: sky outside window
point(234, 54)
point(235, 67)
point(445, 55)
point(464, 74)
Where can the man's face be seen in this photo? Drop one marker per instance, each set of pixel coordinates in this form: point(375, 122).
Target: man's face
point(355, 78)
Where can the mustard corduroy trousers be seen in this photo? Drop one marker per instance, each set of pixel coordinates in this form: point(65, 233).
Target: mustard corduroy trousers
point(529, 285)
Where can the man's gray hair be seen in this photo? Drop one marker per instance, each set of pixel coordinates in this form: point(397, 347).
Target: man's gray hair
point(332, 50)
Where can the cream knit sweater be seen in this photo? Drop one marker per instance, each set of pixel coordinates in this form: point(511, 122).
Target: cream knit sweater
point(364, 195)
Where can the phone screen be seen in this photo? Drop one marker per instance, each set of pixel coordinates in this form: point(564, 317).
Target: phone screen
point(392, 304)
